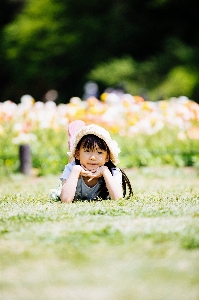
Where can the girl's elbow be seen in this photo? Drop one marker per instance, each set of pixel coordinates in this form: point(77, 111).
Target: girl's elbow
point(117, 196)
point(65, 199)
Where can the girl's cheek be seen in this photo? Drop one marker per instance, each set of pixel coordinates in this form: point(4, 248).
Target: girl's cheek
point(102, 158)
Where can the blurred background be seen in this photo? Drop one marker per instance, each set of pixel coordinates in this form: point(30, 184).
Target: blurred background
point(72, 48)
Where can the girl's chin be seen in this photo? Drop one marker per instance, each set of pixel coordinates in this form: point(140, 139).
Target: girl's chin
point(92, 169)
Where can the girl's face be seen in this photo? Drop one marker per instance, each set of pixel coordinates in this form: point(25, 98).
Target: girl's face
point(92, 158)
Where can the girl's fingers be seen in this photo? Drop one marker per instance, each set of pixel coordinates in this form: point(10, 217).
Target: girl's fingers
point(84, 168)
point(91, 178)
point(92, 174)
point(95, 170)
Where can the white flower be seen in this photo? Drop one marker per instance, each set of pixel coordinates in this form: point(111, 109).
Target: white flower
point(24, 138)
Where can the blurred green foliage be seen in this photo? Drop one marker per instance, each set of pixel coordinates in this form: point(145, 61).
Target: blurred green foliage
point(162, 148)
point(49, 151)
point(51, 44)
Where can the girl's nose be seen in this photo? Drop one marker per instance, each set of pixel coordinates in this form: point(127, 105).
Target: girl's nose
point(92, 157)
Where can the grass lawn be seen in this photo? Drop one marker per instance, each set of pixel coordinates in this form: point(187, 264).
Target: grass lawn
point(146, 248)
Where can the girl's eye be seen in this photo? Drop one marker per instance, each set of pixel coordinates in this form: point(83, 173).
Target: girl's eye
point(99, 152)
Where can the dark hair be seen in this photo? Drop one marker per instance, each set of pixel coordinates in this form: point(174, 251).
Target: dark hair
point(89, 141)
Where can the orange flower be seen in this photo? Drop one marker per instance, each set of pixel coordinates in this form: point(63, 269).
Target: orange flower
point(193, 133)
point(92, 101)
point(138, 99)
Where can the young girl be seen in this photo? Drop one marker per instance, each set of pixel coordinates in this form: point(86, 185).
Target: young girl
point(92, 173)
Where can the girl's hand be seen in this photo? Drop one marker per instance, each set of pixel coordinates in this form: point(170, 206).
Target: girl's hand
point(85, 172)
point(95, 173)
point(98, 172)
point(81, 171)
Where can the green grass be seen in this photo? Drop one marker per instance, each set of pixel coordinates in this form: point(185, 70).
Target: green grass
point(143, 248)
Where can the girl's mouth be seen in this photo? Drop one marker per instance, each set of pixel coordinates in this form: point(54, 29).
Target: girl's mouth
point(93, 165)
point(93, 168)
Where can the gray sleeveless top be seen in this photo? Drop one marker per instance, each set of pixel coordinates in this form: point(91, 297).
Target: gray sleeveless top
point(84, 192)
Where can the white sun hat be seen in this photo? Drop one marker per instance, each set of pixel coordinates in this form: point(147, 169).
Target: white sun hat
point(101, 133)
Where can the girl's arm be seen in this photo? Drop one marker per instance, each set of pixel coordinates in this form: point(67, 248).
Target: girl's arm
point(69, 186)
point(114, 189)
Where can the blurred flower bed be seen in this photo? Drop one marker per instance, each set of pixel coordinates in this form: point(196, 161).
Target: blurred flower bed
point(148, 133)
